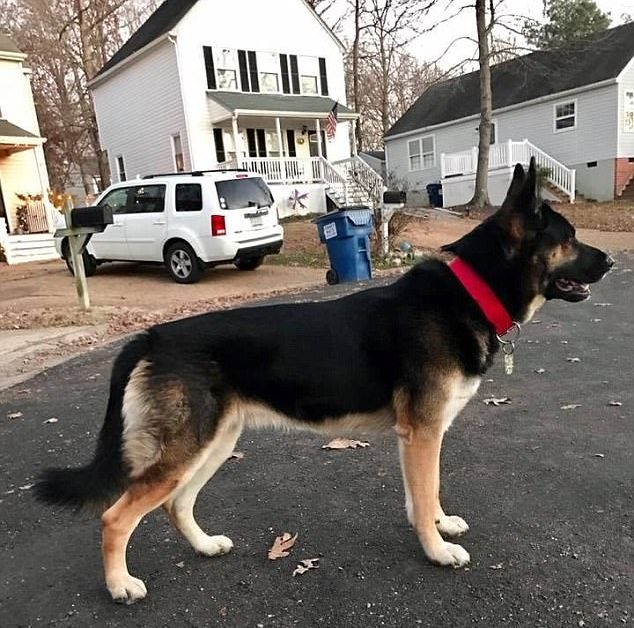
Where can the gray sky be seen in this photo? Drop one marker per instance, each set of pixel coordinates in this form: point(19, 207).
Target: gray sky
point(430, 46)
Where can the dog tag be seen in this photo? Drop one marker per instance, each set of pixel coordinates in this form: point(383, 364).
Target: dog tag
point(508, 363)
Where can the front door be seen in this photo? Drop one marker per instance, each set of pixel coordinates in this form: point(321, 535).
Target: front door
point(312, 144)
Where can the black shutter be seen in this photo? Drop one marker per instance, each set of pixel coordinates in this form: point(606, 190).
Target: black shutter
point(209, 67)
point(261, 143)
point(294, 75)
point(323, 76)
point(244, 72)
point(290, 140)
point(253, 71)
point(220, 146)
point(286, 86)
point(251, 145)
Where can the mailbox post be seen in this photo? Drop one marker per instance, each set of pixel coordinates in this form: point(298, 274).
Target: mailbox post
point(81, 223)
point(392, 200)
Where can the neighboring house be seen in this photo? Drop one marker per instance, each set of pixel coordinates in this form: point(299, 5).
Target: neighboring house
point(572, 108)
point(25, 224)
point(204, 85)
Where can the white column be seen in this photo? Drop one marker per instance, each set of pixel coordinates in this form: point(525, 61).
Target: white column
point(354, 137)
point(278, 128)
point(236, 139)
point(318, 131)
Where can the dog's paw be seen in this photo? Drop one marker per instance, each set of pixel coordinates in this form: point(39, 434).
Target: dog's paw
point(450, 555)
point(127, 590)
point(215, 546)
point(451, 525)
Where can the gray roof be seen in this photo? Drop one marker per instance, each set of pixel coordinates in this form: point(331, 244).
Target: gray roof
point(162, 21)
point(532, 76)
point(7, 129)
point(8, 45)
point(282, 103)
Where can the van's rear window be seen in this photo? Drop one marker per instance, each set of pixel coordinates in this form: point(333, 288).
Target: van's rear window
point(241, 193)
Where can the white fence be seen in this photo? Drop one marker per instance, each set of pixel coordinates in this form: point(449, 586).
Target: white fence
point(506, 155)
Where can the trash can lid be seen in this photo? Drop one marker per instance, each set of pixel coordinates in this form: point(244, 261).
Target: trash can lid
point(359, 216)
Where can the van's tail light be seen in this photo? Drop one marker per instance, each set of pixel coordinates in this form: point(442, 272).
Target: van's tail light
point(218, 227)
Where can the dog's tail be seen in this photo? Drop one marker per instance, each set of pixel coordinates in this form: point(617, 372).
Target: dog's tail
point(104, 478)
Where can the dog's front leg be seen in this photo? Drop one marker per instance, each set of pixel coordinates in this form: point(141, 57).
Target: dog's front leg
point(419, 447)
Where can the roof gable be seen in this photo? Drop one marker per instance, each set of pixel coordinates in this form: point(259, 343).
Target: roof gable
point(163, 20)
point(539, 74)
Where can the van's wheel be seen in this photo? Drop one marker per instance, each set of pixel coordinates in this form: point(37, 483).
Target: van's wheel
point(249, 263)
point(182, 263)
point(331, 277)
point(90, 263)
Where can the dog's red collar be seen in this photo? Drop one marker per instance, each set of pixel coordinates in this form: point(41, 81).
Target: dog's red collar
point(490, 305)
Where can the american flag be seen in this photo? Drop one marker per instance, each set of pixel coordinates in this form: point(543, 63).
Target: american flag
point(331, 123)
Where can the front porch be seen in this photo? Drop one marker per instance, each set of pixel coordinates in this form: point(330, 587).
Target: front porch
point(458, 172)
point(26, 217)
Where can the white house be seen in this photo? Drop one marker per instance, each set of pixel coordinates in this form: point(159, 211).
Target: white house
point(26, 221)
point(205, 85)
point(572, 108)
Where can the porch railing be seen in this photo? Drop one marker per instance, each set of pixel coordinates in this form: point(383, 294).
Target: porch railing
point(507, 154)
point(33, 217)
point(355, 169)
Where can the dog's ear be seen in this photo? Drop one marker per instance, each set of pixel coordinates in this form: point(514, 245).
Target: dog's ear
point(520, 213)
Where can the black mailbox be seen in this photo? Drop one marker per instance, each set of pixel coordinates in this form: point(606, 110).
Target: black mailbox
point(393, 197)
point(91, 217)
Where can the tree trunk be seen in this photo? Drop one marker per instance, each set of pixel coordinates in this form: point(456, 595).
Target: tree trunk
point(481, 195)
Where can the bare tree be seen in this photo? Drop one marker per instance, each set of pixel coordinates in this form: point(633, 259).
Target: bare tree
point(67, 43)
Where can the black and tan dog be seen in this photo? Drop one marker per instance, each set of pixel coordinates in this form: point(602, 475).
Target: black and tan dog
point(407, 356)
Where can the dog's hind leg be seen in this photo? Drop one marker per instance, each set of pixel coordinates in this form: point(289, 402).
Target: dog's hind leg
point(118, 524)
point(180, 506)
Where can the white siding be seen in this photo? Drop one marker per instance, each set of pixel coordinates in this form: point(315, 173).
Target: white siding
point(138, 110)
point(223, 25)
point(626, 140)
point(593, 139)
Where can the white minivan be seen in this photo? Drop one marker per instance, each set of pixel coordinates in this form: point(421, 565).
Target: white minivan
point(187, 221)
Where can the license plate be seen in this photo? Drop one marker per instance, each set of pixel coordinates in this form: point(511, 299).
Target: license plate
point(256, 221)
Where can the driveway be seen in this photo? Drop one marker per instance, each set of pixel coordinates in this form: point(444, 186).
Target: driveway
point(546, 482)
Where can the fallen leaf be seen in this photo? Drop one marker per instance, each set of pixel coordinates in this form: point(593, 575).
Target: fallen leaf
point(345, 443)
point(26, 487)
point(498, 566)
point(236, 455)
point(306, 565)
point(573, 359)
point(601, 304)
point(496, 401)
point(282, 546)
point(181, 564)
point(14, 415)
point(595, 320)
point(51, 420)
point(599, 455)
point(540, 371)
point(571, 406)
point(615, 403)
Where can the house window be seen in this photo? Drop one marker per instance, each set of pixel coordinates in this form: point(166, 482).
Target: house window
point(121, 168)
point(565, 115)
point(628, 111)
point(219, 141)
point(309, 84)
point(177, 153)
point(227, 80)
point(422, 153)
point(269, 82)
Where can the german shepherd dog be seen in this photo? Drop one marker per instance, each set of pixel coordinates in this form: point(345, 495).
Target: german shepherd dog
point(407, 356)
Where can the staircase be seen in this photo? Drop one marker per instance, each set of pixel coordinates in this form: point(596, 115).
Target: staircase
point(627, 194)
point(357, 184)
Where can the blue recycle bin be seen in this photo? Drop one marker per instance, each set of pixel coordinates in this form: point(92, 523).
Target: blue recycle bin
point(346, 236)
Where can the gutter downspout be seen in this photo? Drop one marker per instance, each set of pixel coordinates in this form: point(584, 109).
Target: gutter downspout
point(173, 39)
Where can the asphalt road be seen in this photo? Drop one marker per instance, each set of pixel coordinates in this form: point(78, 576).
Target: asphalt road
point(546, 483)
